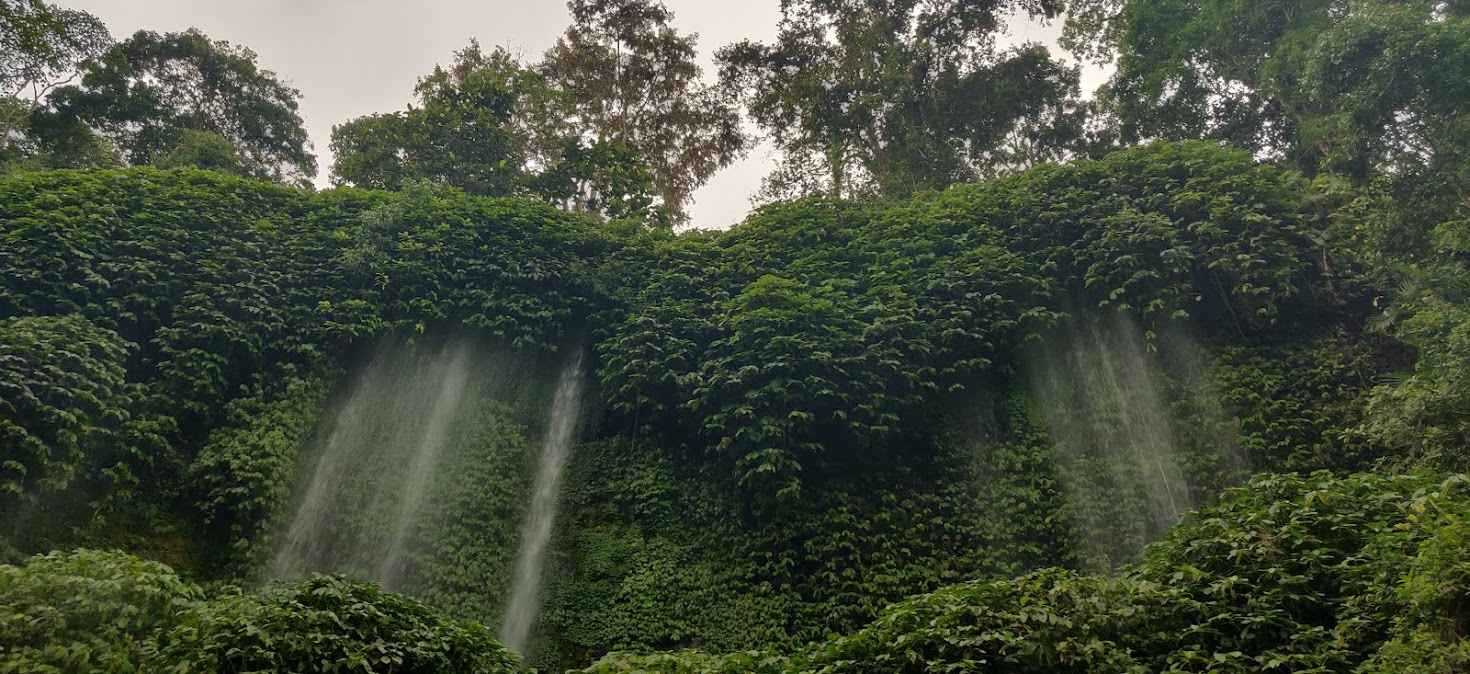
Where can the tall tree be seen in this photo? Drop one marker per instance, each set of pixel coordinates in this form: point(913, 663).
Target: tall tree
point(895, 96)
point(1196, 69)
point(492, 127)
point(41, 46)
point(148, 92)
point(635, 83)
point(1371, 89)
point(461, 133)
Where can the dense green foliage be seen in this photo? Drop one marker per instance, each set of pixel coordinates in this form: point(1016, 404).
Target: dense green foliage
point(64, 394)
point(201, 297)
point(108, 612)
point(1296, 573)
point(245, 468)
point(825, 320)
point(331, 625)
point(151, 96)
point(821, 412)
point(1427, 415)
point(87, 611)
point(903, 423)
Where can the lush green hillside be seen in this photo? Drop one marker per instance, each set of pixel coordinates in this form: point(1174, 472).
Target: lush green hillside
point(98, 611)
point(827, 409)
point(1290, 573)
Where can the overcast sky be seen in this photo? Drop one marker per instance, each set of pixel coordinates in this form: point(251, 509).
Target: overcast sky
point(357, 57)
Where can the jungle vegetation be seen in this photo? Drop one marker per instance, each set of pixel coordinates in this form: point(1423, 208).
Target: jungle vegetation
point(882, 425)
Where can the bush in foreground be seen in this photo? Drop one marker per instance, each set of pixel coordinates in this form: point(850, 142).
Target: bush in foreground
point(92, 611)
point(1291, 573)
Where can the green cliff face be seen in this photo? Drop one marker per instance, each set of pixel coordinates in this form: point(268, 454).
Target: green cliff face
point(993, 397)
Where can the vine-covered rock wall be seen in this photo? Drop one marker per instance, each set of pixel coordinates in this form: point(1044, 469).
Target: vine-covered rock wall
point(829, 408)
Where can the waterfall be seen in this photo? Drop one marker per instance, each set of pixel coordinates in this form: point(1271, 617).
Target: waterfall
point(1118, 461)
point(311, 538)
point(376, 465)
point(560, 433)
point(389, 571)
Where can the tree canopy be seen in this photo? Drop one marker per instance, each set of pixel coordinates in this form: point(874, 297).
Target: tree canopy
point(461, 134)
point(41, 47)
point(1365, 89)
point(146, 94)
point(493, 127)
point(633, 81)
point(897, 97)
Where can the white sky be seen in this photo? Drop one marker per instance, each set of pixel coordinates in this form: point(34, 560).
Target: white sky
point(358, 57)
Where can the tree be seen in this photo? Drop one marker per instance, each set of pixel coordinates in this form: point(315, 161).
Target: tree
point(898, 96)
point(492, 127)
point(205, 150)
point(1369, 89)
point(148, 92)
point(40, 48)
point(634, 82)
point(604, 178)
point(460, 134)
point(1196, 70)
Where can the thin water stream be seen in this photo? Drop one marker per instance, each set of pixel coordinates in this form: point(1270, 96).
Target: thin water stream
point(525, 599)
point(455, 379)
point(1118, 462)
point(367, 490)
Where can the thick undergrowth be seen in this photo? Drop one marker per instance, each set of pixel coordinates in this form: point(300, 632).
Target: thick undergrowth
point(944, 428)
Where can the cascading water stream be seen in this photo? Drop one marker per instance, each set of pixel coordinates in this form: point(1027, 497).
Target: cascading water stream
point(389, 571)
point(525, 598)
point(304, 536)
point(307, 541)
point(1128, 388)
point(384, 445)
point(1119, 465)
